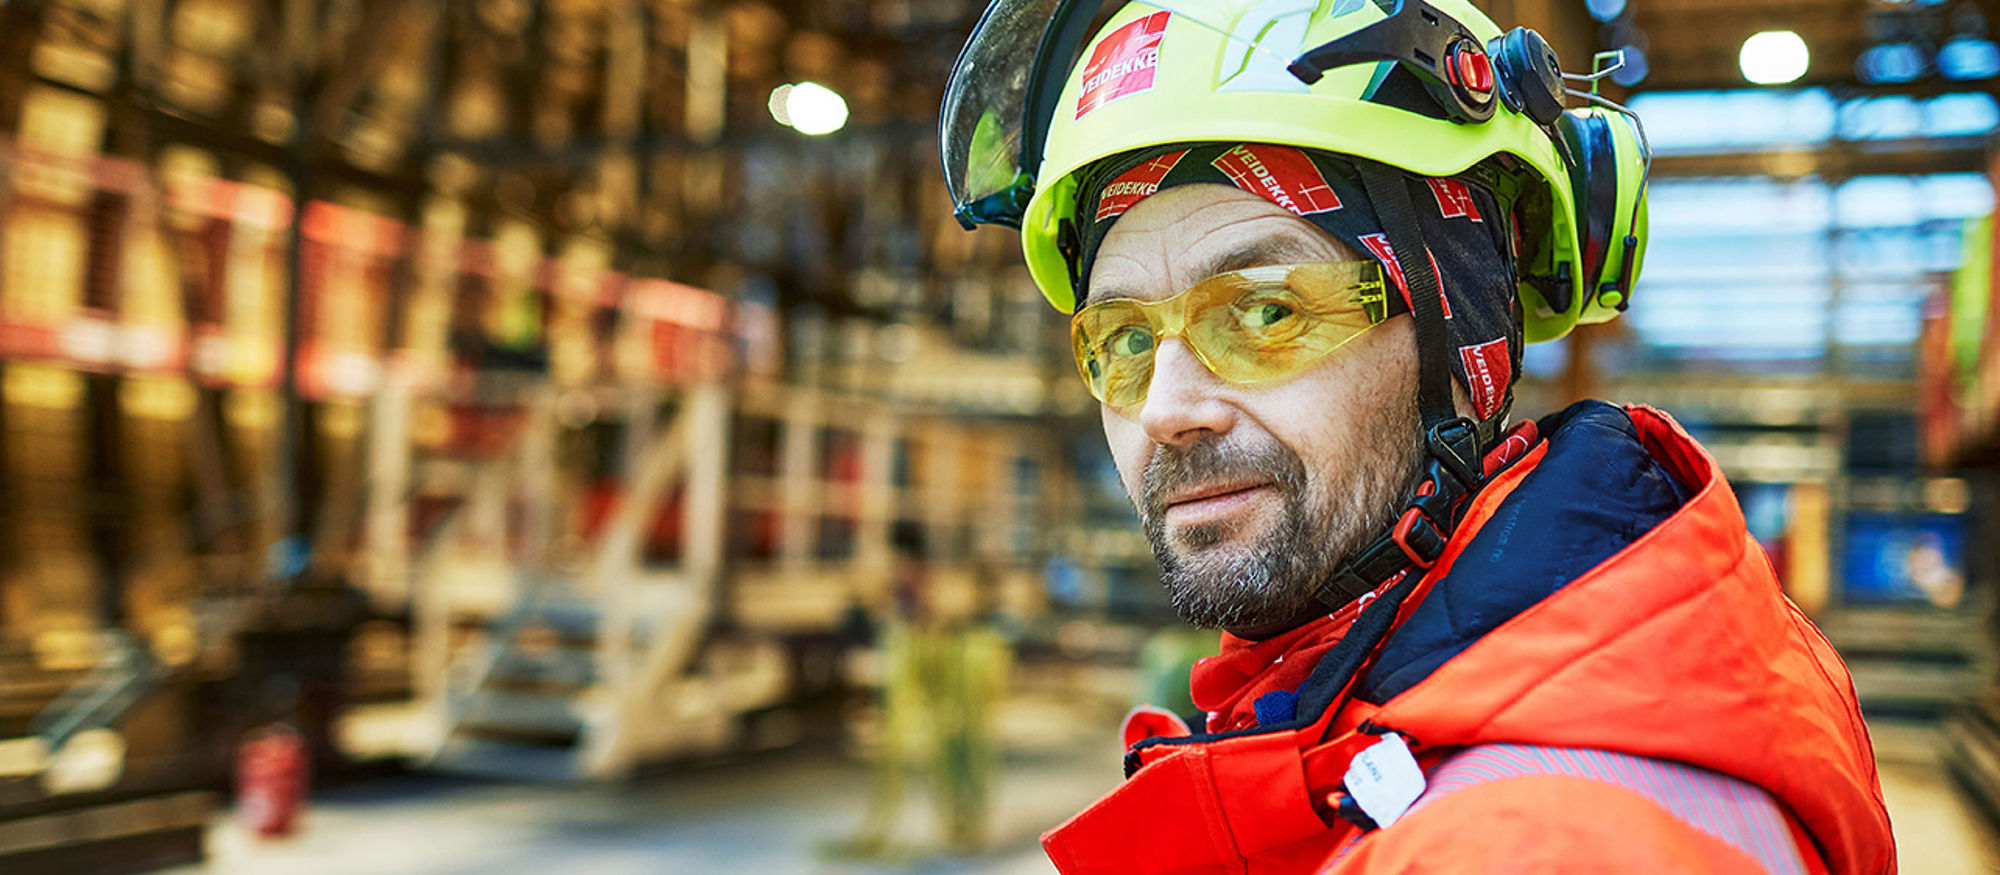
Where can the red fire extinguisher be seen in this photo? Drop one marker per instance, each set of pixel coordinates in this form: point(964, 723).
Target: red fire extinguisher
point(271, 778)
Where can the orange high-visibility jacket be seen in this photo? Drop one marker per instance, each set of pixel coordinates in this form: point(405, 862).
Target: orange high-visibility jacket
point(1663, 709)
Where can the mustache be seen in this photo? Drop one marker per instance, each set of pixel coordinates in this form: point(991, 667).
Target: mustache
point(1173, 468)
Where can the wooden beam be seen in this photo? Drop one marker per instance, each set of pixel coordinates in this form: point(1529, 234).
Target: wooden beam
point(20, 31)
point(388, 505)
point(705, 514)
point(1835, 160)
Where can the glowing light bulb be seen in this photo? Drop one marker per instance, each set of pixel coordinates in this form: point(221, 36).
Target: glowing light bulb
point(815, 109)
point(1773, 57)
point(779, 96)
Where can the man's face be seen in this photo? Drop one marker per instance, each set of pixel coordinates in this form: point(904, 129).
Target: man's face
point(1252, 494)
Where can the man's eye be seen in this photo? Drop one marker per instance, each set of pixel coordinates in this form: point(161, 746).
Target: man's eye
point(1130, 341)
point(1266, 314)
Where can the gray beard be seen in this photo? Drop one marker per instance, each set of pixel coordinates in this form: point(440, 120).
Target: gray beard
point(1269, 582)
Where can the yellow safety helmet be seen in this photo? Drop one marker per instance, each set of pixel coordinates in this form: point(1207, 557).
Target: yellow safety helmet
point(1031, 106)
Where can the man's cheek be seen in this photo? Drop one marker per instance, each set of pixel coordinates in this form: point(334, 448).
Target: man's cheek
point(1128, 443)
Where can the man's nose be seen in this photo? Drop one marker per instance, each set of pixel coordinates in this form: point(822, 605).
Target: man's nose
point(1182, 402)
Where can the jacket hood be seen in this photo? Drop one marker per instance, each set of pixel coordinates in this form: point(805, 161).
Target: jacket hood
point(1679, 646)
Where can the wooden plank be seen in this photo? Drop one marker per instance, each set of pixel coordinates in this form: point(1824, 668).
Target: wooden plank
point(387, 566)
point(107, 822)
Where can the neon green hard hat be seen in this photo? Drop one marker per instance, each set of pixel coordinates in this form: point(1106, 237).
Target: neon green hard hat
point(1162, 72)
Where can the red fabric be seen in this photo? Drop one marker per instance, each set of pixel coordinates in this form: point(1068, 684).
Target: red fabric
point(1226, 686)
point(1148, 721)
point(1679, 647)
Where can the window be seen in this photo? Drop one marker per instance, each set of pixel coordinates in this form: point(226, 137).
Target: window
point(1759, 273)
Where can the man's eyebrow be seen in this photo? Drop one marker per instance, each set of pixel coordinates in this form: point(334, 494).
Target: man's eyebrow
point(1281, 249)
point(1270, 249)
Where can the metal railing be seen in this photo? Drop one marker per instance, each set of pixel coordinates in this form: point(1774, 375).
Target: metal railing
point(125, 673)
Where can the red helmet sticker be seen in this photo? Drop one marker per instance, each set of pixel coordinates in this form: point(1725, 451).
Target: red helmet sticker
point(1123, 63)
point(1454, 199)
point(1487, 371)
point(1281, 173)
point(1378, 244)
point(1135, 185)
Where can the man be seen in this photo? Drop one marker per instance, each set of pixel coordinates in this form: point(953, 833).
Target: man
point(1303, 244)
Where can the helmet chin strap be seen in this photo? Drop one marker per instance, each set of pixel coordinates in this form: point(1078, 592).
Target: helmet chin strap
point(1452, 469)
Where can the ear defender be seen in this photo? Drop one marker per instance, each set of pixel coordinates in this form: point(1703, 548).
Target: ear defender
point(1608, 179)
point(1531, 80)
point(1607, 160)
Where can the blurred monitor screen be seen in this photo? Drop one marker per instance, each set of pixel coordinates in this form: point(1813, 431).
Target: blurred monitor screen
point(1904, 558)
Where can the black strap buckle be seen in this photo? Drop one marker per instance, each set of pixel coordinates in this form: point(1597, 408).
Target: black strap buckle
point(1426, 524)
point(1454, 444)
point(1431, 516)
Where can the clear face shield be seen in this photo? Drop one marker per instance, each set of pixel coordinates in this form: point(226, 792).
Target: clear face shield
point(1001, 98)
point(995, 113)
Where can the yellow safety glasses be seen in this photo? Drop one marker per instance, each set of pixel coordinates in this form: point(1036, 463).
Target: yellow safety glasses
point(1246, 326)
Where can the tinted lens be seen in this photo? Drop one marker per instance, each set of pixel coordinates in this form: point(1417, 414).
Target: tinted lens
point(1253, 325)
point(1114, 343)
point(1266, 323)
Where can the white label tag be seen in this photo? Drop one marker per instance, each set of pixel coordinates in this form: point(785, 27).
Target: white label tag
point(1384, 779)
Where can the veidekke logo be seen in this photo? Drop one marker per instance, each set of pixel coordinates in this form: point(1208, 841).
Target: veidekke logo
point(1123, 63)
point(1280, 173)
point(1135, 185)
point(1454, 199)
point(1487, 371)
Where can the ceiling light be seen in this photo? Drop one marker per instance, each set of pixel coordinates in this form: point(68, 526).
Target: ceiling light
point(1634, 70)
point(779, 96)
point(1890, 63)
point(1969, 58)
point(1773, 57)
point(815, 109)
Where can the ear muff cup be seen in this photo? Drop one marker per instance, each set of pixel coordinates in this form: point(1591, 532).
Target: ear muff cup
point(1530, 76)
point(1587, 140)
point(1607, 171)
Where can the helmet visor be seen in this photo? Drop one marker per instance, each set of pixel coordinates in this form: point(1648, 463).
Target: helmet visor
point(980, 127)
point(1001, 97)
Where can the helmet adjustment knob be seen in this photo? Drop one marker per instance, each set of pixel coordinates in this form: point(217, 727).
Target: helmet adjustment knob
point(1470, 71)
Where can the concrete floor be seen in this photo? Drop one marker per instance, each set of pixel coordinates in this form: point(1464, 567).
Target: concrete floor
point(1938, 832)
point(778, 813)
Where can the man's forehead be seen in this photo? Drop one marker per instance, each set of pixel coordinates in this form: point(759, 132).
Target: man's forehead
point(1186, 240)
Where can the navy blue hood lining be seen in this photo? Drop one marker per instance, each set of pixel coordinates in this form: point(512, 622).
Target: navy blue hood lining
point(1596, 492)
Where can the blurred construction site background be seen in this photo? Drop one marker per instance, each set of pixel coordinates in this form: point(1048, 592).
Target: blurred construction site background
point(501, 435)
